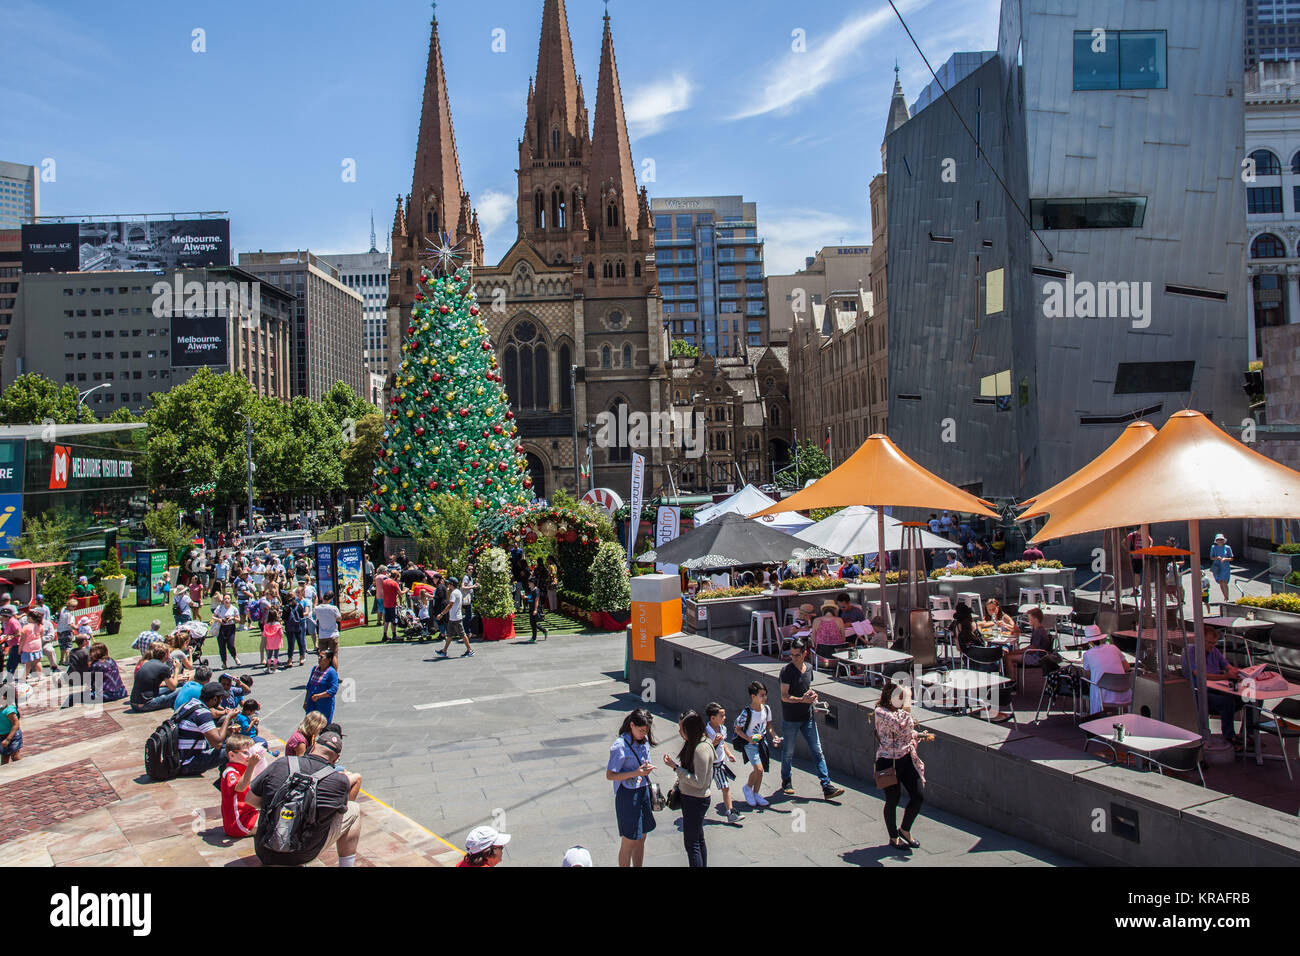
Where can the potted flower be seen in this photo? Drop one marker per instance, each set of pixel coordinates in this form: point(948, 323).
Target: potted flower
point(610, 591)
point(111, 574)
point(492, 596)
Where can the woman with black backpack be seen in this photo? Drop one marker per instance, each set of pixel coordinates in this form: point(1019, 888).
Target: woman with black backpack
point(694, 768)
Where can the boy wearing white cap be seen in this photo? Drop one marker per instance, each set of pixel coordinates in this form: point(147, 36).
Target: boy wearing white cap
point(483, 847)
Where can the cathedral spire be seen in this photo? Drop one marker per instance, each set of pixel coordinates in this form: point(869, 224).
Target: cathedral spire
point(436, 187)
point(612, 184)
point(898, 114)
point(554, 107)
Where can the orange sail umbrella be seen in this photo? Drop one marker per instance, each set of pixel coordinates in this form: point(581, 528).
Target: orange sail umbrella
point(1191, 471)
point(1130, 440)
point(879, 475)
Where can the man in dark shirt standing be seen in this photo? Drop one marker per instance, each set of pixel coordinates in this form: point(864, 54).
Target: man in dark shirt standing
point(797, 699)
point(338, 817)
point(439, 603)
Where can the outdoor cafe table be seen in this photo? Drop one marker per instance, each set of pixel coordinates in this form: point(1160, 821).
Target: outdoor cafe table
point(965, 682)
point(870, 658)
point(1143, 735)
point(1256, 697)
point(1243, 628)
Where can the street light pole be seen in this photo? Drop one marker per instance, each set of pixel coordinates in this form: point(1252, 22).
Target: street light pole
point(573, 402)
point(81, 398)
point(248, 432)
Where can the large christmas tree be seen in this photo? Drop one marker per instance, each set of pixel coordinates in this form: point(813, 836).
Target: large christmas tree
point(449, 429)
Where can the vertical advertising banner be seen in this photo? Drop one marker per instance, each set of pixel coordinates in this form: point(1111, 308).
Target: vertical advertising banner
point(668, 525)
point(11, 519)
point(638, 494)
point(324, 570)
point(349, 562)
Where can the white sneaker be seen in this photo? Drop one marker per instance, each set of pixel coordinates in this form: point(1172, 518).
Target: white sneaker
point(751, 797)
point(761, 802)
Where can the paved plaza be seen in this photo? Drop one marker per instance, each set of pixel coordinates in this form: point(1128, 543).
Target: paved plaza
point(518, 736)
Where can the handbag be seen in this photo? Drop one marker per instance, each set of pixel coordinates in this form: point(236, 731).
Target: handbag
point(887, 778)
point(674, 799)
point(657, 799)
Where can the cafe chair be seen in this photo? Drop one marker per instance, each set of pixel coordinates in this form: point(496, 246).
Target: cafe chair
point(983, 659)
point(1063, 680)
point(1176, 759)
point(1031, 596)
point(940, 602)
point(1114, 683)
point(791, 615)
point(822, 655)
point(1283, 722)
point(972, 600)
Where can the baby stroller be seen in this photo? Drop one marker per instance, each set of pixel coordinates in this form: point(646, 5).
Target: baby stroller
point(411, 626)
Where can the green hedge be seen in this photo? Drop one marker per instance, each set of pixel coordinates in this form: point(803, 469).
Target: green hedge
point(1275, 602)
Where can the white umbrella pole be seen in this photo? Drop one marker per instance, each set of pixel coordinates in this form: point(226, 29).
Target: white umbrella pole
point(1115, 572)
point(880, 569)
point(1198, 627)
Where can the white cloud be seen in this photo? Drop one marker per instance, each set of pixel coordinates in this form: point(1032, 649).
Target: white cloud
point(648, 108)
point(792, 236)
point(799, 75)
point(495, 209)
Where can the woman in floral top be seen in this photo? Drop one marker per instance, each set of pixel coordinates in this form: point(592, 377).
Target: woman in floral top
point(897, 737)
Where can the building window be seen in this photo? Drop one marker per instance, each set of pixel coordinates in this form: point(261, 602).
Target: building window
point(1264, 199)
point(607, 270)
point(620, 270)
point(1267, 246)
point(636, 269)
point(566, 383)
point(1133, 378)
point(627, 356)
point(1295, 164)
point(1266, 163)
point(539, 211)
point(1270, 306)
point(1120, 60)
point(606, 357)
point(526, 364)
point(591, 270)
point(1090, 213)
point(611, 215)
point(618, 452)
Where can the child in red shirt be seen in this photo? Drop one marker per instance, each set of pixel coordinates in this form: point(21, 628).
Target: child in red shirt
point(237, 817)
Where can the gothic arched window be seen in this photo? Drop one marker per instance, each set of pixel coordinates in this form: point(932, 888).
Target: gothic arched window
point(620, 270)
point(526, 368)
point(607, 269)
point(539, 210)
point(636, 269)
point(611, 215)
point(627, 356)
point(591, 270)
point(606, 358)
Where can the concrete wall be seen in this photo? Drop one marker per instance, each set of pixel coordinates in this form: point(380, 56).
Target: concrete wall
point(1000, 776)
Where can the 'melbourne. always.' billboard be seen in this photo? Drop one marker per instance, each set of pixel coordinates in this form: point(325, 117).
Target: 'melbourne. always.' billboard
point(125, 245)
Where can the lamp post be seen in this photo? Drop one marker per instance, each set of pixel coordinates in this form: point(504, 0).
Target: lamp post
point(248, 431)
point(573, 402)
point(81, 398)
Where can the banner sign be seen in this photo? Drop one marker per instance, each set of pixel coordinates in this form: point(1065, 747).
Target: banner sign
point(349, 566)
point(667, 527)
point(638, 492)
point(125, 245)
point(11, 518)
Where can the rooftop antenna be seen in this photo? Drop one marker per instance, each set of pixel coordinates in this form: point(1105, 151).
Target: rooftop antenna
point(372, 232)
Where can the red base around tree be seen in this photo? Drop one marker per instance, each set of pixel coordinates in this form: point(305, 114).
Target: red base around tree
point(610, 622)
point(498, 628)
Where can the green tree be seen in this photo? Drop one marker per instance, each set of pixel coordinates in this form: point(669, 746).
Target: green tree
point(450, 429)
point(344, 406)
point(123, 416)
point(303, 447)
point(44, 538)
point(492, 595)
point(446, 538)
point(807, 462)
point(609, 580)
point(360, 455)
point(164, 526)
point(680, 348)
point(33, 399)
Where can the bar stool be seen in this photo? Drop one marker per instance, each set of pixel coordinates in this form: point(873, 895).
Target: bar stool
point(1032, 596)
point(972, 600)
point(940, 602)
point(791, 615)
point(873, 609)
point(763, 632)
point(1054, 594)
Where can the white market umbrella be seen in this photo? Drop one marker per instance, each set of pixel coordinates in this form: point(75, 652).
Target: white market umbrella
point(745, 502)
point(855, 530)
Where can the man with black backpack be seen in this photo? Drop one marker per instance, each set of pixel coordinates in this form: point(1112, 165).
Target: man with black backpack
point(307, 806)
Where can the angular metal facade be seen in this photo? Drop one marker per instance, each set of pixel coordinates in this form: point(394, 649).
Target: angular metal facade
point(1179, 147)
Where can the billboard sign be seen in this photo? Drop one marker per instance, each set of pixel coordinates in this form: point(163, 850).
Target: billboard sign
point(349, 566)
point(11, 519)
point(324, 570)
point(50, 247)
point(125, 245)
point(201, 340)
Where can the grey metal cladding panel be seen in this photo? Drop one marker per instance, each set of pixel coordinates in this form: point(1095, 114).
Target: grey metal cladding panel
point(1180, 147)
point(933, 297)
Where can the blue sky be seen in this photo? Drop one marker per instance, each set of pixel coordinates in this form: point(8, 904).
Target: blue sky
point(261, 122)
